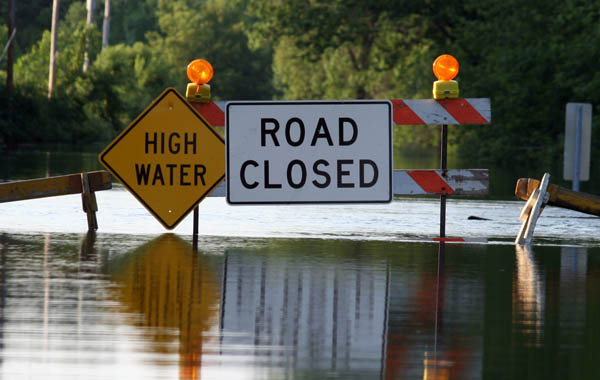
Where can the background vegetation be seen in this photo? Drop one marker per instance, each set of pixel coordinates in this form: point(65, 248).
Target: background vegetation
point(529, 57)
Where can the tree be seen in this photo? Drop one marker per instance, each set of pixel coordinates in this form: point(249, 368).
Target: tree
point(52, 66)
point(11, 30)
point(212, 30)
point(123, 81)
point(349, 50)
point(106, 24)
point(530, 58)
point(90, 5)
point(129, 20)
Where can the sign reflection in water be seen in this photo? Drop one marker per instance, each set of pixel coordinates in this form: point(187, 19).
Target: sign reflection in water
point(174, 290)
point(528, 301)
point(283, 307)
point(295, 308)
point(287, 312)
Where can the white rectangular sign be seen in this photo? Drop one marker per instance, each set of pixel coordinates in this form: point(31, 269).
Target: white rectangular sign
point(573, 147)
point(309, 152)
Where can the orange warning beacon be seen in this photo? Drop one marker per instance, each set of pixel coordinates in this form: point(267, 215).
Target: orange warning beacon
point(445, 68)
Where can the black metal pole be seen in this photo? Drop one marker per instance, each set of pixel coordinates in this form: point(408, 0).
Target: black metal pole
point(444, 167)
point(195, 233)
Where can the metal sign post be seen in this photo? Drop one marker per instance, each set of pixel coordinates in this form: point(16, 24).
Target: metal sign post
point(444, 167)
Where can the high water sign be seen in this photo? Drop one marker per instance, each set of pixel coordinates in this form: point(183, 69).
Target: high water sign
point(283, 152)
point(169, 158)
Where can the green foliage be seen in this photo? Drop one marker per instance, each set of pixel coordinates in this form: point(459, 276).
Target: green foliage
point(215, 34)
point(352, 47)
point(74, 37)
point(3, 37)
point(32, 18)
point(26, 118)
point(130, 20)
point(123, 81)
point(349, 50)
point(530, 58)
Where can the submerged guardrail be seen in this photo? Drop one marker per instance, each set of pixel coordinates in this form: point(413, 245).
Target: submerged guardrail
point(82, 183)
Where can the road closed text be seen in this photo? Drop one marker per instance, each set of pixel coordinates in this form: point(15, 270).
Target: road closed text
point(322, 174)
point(308, 152)
point(319, 173)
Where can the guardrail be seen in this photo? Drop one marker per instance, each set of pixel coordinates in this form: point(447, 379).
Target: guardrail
point(82, 183)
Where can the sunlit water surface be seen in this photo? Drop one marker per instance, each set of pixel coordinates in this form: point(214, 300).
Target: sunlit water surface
point(287, 292)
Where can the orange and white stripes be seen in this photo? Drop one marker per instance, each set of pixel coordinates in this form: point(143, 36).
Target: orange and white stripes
point(406, 112)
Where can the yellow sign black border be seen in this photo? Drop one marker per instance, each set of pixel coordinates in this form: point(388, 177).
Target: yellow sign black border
point(124, 133)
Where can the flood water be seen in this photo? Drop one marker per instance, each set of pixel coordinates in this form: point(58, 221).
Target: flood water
point(286, 292)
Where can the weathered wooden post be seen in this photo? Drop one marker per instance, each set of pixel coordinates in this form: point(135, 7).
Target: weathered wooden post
point(531, 212)
point(560, 197)
point(538, 194)
point(88, 199)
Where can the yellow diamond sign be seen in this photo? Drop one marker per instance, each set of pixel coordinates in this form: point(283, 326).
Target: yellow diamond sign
point(170, 158)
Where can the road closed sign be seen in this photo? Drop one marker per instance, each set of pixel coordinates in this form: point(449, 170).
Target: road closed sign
point(281, 152)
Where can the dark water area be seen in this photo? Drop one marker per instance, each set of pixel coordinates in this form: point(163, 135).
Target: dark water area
point(41, 162)
point(114, 306)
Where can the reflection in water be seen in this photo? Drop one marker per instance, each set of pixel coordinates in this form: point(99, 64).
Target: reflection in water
point(176, 295)
point(573, 271)
point(304, 313)
point(436, 368)
point(3, 252)
point(75, 306)
point(528, 301)
point(46, 287)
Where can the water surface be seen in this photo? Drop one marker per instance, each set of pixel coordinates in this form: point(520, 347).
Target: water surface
point(295, 292)
point(122, 306)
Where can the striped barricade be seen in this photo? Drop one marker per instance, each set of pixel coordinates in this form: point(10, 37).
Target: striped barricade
point(427, 182)
point(442, 182)
point(406, 112)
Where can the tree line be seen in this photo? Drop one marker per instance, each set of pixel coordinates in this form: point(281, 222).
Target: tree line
point(529, 57)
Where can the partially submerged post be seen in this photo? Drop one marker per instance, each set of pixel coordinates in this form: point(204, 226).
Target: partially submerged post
point(538, 194)
point(560, 197)
point(531, 212)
